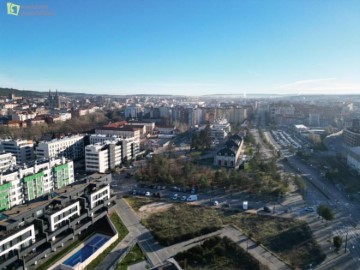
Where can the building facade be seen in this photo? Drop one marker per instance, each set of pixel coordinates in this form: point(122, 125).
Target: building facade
point(69, 147)
point(22, 150)
point(229, 156)
point(30, 232)
point(22, 184)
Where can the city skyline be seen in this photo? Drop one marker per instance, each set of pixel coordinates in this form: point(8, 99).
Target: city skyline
point(184, 47)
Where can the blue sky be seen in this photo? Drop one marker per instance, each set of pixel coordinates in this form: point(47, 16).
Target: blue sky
point(191, 47)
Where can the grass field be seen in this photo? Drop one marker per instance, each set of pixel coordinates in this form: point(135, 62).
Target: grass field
point(182, 222)
point(291, 239)
point(134, 256)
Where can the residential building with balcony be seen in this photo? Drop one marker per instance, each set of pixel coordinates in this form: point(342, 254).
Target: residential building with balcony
point(69, 147)
point(22, 184)
point(22, 150)
point(30, 233)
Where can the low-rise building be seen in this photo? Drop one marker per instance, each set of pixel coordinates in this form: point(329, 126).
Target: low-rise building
point(229, 156)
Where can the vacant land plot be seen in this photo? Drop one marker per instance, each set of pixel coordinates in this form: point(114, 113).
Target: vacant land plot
point(182, 222)
point(137, 202)
point(217, 253)
point(290, 239)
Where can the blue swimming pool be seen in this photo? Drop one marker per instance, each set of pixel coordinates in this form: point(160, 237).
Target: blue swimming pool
point(86, 251)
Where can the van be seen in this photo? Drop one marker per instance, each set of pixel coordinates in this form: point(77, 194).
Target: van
point(192, 198)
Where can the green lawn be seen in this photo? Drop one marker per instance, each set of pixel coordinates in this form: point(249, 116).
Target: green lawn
point(289, 238)
point(122, 231)
point(182, 222)
point(134, 256)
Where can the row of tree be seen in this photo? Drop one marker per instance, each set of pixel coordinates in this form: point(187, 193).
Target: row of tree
point(76, 125)
point(183, 172)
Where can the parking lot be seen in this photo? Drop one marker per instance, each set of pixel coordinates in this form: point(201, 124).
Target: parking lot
point(286, 140)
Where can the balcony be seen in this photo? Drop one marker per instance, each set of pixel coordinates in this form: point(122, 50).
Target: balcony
point(11, 258)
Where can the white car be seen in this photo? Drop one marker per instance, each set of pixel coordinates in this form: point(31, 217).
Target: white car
point(147, 194)
point(216, 203)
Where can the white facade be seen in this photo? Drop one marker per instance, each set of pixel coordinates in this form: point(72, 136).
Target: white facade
point(6, 244)
point(100, 157)
point(23, 150)
point(130, 147)
point(97, 196)
point(64, 214)
point(69, 147)
point(97, 158)
point(7, 160)
point(26, 183)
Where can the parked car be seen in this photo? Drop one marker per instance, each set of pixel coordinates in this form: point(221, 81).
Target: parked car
point(175, 196)
point(267, 209)
point(183, 198)
point(215, 203)
point(147, 194)
point(192, 198)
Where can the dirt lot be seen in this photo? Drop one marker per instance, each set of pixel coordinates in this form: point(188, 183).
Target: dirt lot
point(146, 210)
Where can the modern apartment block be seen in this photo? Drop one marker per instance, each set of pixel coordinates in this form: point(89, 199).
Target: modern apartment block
point(7, 160)
point(101, 156)
point(130, 146)
point(25, 183)
point(29, 233)
point(22, 150)
point(69, 147)
point(97, 157)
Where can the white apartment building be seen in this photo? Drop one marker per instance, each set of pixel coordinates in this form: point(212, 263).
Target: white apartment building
point(22, 150)
point(57, 217)
point(105, 155)
point(102, 194)
point(28, 182)
point(97, 157)
point(22, 238)
point(69, 147)
point(130, 146)
point(7, 160)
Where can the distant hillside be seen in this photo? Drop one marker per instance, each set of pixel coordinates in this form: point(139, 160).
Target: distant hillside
point(30, 93)
point(21, 93)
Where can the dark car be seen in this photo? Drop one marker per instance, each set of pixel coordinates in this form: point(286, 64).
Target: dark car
point(267, 209)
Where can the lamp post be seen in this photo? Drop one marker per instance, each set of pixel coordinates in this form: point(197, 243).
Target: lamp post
point(346, 240)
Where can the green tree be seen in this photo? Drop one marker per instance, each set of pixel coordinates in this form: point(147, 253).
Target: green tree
point(325, 212)
point(337, 240)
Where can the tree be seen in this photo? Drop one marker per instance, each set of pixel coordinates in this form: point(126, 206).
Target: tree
point(337, 240)
point(325, 212)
